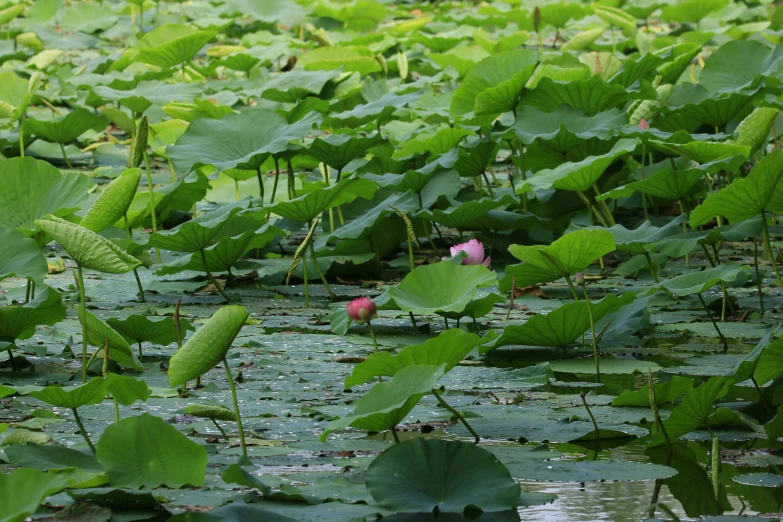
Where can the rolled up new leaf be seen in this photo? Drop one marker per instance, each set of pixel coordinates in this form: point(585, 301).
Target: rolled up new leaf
point(208, 346)
point(87, 248)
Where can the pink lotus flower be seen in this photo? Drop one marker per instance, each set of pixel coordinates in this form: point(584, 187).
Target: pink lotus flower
point(475, 252)
point(362, 310)
point(643, 124)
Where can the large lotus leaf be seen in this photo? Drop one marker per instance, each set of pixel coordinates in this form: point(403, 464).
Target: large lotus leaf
point(21, 257)
point(433, 475)
point(127, 390)
point(558, 15)
point(149, 329)
point(388, 403)
point(579, 176)
point(754, 130)
point(169, 45)
point(51, 456)
point(568, 255)
point(271, 11)
point(665, 392)
point(147, 451)
point(378, 110)
point(295, 85)
point(698, 282)
point(435, 144)
point(680, 56)
point(113, 203)
point(565, 127)
point(494, 85)
point(770, 364)
point(617, 17)
point(311, 205)
point(242, 140)
point(440, 287)
point(208, 411)
point(669, 184)
point(692, 11)
point(694, 103)
point(222, 255)
point(746, 197)
point(23, 490)
point(66, 128)
point(362, 225)
point(351, 58)
point(208, 346)
point(447, 349)
point(465, 214)
point(98, 333)
point(33, 188)
point(149, 93)
point(19, 321)
point(524, 275)
point(742, 64)
point(14, 95)
point(87, 248)
point(593, 95)
point(475, 156)
point(694, 410)
point(338, 150)
point(560, 327)
point(71, 397)
point(643, 238)
point(198, 233)
point(702, 151)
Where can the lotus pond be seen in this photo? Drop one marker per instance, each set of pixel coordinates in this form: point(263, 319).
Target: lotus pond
point(352, 260)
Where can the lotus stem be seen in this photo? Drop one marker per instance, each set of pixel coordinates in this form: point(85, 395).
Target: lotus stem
point(715, 466)
point(236, 407)
point(105, 372)
point(394, 434)
point(21, 136)
point(603, 206)
point(211, 277)
point(758, 275)
point(656, 412)
point(644, 196)
point(277, 179)
point(236, 190)
point(591, 208)
point(65, 156)
point(291, 181)
point(152, 201)
point(589, 413)
point(511, 297)
point(304, 277)
point(489, 185)
point(83, 300)
point(592, 329)
point(82, 430)
point(413, 323)
point(571, 286)
point(457, 414)
point(177, 329)
point(260, 182)
point(220, 429)
point(332, 295)
point(720, 334)
point(768, 248)
point(138, 283)
point(28, 288)
point(171, 169)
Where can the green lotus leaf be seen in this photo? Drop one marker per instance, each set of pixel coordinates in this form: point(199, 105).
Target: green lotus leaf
point(98, 333)
point(565, 127)
point(338, 150)
point(113, 203)
point(524, 275)
point(692, 11)
point(665, 392)
point(149, 329)
point(295, 85)
point(746, 197)
point(19, 321)
point(51, 456)
point(87, 248)
point(21, 257)
point(579, 176)
point(435, 144)
point(694, 410)
point(147, 451)
point(645, 237)
point(592, 95)
point(33, 188)
point(754, 130)
point(425, 475)
point(148, 93)
point(741, 65)
point(208, 346)
point(379, 110)
point(66, 129)
point(242, 140)
point(440, 287)
point(362, 225)
point(617, 17)
point(208, 411)
point(71, 397)
point(693, 103)
point(9, 13)
point(698, 282)
point(311, 205)
point(351, 58)
point(474, 157)
point(494, 85)
point(24, 489)
point(189, 112)
point(14, 95)
point(466, 213)
point(198, 233)
point(389, 402)
point(560, 327)
point(170, 45)
point(127, 390)
point(583, 40)
point(568, 255)
point(447, 349)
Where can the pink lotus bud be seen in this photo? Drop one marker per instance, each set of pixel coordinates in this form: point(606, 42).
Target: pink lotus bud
point(643, 124)
point(579, 278)
point(475, 252)
point(362, 310)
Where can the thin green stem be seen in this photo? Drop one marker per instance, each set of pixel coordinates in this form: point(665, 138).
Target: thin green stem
point(332, 295)
point(211, 277)
point(138, 283)
point(644, 196)
point(152, 201)
point(768, 248)
point(82, 430)
point(489, 185)
point(260, 182)
point(573, 290)
point(592, 329)
point(277, 179)
point(21, 136)
point(374, 343)
point(758, 275)
point(589, 413)
point(458, 415)
point(83, 300)
point(714, 324)
point(65, 156)
point(413, 323)
point(304, 277)
point(220, 429)
point(236, 407)
point(394, 434)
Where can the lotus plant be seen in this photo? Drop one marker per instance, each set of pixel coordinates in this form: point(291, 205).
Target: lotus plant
point(363, 310)
point(474, 253)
